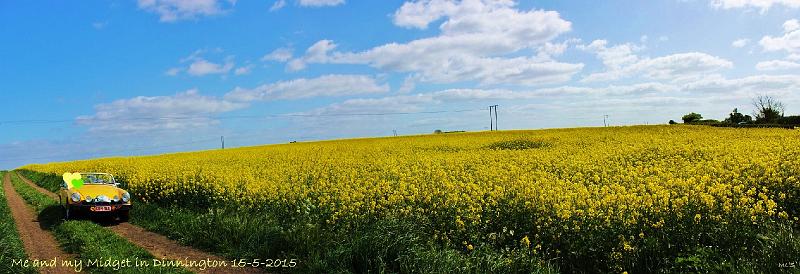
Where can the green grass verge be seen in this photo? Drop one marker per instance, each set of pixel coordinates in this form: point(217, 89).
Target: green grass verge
point(90, 241)
point(50, 182)
point(10, 245)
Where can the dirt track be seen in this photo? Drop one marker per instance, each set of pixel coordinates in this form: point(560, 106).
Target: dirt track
point(39, 243)
point(158, 245)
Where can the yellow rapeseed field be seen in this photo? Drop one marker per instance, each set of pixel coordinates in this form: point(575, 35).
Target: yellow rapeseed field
point(616, 174)
point(568, 180)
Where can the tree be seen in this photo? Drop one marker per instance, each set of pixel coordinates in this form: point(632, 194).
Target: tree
point(767, 109)
point(438, 131)
point(672, 122)
point(736, 117)
point(691, 118)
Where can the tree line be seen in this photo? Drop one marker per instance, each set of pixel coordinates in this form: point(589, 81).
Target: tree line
point(767, 111)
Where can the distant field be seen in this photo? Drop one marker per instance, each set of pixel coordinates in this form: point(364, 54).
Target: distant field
point(643, 199)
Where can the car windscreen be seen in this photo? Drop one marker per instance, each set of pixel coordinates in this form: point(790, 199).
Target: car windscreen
point(97, 179)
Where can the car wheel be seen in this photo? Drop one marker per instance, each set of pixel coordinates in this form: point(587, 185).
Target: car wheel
point(124, 216)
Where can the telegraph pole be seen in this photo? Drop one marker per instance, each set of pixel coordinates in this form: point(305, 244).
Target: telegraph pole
point(222, 140)
point(491, 123)
point(495, 118)
point(604, 120)
point(492, 120)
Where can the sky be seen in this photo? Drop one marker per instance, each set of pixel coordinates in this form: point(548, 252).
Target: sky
point(99, 78)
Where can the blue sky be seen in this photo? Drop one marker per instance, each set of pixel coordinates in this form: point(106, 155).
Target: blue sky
point(85, 79)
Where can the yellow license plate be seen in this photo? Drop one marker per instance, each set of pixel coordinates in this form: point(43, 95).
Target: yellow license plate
point(101, 208)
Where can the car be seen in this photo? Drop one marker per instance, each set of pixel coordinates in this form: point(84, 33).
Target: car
point(93, 194)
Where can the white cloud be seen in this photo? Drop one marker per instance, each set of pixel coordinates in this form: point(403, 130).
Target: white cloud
point(790, 41)
point(422, 101)
point(740, 43)
point(243, 70)
point(762, 5)
point(317, 53)
point(630, 103)
point(473, 45)
point(202, 67)
point(777, 65)
point(187, 109)
point(320, 3)
point(277, 5)
point(791, 25)
point(279, 55)
point(746, 86)
point(622, 62)
point(417, 102)
point(418, 14)
point(613, 57)
point(409, 84)
point(174, 10)
point(327, 85)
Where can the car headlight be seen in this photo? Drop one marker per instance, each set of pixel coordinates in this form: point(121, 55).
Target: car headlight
point(75, 197)
point(126, 197)
point(89, 198)
point(115, 199)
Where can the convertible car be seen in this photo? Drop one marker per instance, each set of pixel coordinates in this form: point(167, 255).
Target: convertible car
point(94, 194)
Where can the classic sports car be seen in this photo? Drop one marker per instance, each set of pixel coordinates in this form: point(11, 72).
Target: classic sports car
point(95, 194)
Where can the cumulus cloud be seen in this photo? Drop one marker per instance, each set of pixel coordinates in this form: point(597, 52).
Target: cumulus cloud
point(740, 43)
point(790, 41)
point(279, 55)
point(317, 53)
point(622, 62)
point(777, 65)
point(423, 101)
point(202, 67)
point(634, 97)
point(197, 65)
point(744, 87)
point(187, 109)
point(762, 5)
point(474, 42)
point(416, 102)
point(174, 10)
point(327, 85)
